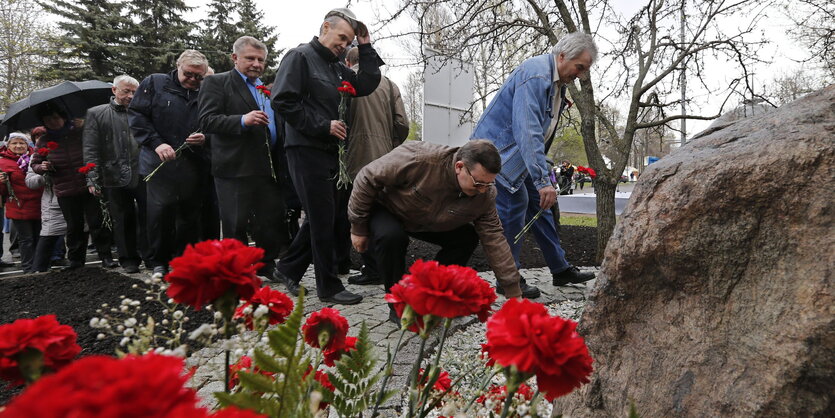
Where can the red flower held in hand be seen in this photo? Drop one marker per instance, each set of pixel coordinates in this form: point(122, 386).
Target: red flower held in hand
point(588, 170)
point(100, 386)
point(43, 152)
point(347, 88)
point(334, 354)
point(523, 334)
point(263, 89)
point(87, 168)
point(279, 305)
point(443, 291)
point(52, 145)
point(56, 342)
point(208, 269)
point(326, 329)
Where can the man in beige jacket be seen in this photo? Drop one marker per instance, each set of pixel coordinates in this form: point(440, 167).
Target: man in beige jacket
point(435, 193)
point(377, 124)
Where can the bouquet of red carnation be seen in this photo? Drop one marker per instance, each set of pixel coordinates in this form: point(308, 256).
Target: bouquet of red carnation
point(106, 219)
point(587, 170)
point(266, 93)
point(28, 347)
point(44, 152)
point(343, 179)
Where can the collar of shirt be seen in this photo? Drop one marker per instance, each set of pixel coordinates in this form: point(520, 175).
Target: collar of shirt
point(256, 82)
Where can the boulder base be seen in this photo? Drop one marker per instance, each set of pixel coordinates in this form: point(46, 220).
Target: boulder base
point(715, 296)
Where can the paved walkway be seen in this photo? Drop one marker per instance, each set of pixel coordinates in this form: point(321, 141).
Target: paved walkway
point(374, 312)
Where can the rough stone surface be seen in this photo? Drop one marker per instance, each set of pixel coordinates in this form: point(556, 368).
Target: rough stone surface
point(715, 295)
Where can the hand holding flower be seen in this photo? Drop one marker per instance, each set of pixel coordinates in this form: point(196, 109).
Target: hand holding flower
point(339, 129)
point(196, 139)
point(256, 118)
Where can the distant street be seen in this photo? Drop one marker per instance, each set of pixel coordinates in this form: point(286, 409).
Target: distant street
point(585, 201)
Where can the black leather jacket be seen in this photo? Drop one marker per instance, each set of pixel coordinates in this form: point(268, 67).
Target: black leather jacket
point(108, 143)
point(305, 94)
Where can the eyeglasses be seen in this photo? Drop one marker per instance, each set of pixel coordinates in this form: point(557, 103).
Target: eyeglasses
point(189, 74)
point(477, 183)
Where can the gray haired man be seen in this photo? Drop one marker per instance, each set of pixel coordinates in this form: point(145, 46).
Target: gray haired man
point(109, 145)
point(519, 121)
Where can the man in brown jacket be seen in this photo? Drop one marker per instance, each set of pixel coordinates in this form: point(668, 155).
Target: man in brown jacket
point(437, 194)
point(378, 123)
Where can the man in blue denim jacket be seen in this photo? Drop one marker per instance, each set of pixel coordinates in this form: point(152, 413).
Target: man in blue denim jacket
point(519, 119)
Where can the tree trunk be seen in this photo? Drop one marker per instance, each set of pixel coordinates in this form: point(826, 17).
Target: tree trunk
point(605, 197)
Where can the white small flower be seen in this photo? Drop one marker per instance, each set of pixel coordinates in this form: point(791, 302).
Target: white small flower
point(130, 322)
point(125, 301)
point(129, 332)
point(164, 322)
point(94, 323)
point(120, 328)
point(185, 319)
point(135, 286)
point(159, 350)
point(261, 311)
point(165, 311)
point(218, 315)
point(248, 310)
point(103, 323)
point(202, 329)
point(239, 352)
point(135, 303)
point(103, 305)
point(178, 314)
point(124, 341)
point(149, 298)
point(170, 300)
point(101, 337)
point(124, 308)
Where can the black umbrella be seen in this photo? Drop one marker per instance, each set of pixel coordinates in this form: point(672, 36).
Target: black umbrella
point(4, 130)
point(75, 97)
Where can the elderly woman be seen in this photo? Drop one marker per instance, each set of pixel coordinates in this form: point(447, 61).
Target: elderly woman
point(70, 186)
point(23, 205)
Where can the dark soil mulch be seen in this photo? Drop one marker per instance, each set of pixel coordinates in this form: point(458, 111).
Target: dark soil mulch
point(74, 296)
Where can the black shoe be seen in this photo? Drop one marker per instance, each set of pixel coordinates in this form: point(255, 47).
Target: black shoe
point(6, 264)
point(291, 285)
point(109, 263)
point(131, 268)
point(363, 279)
point(528, 291)
point(343, 298)
point(571, 275)
point(74, 265)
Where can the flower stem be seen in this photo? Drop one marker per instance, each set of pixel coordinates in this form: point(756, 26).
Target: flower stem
point(527, 226)
point(388, 373)
point(176, 154)
point(484, 383)
point(433, 372)
point(413, 377)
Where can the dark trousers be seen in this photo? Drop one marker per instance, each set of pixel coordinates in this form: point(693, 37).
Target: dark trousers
point(44, 252)
point(173, 211)
point(256, 199)
point(343, 228)
point(313, 171)
point(210, 217)
point(388, 243)
point(78, 209)
point(128, 209)
point(28, 231)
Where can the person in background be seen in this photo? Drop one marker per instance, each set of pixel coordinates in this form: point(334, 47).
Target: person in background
point(109, 145)
point(163, 117)
point(50, 246)
point(22, 203)
point(70, 186)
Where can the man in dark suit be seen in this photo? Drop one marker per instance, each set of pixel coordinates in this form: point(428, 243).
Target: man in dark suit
point(235, 111)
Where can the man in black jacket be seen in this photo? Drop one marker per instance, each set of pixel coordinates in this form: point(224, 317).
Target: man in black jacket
point(109, 145)
point(305, 95)
point(163, 117)
point(235, 111)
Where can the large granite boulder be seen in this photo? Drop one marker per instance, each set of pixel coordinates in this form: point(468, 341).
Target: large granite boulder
point(715, 296)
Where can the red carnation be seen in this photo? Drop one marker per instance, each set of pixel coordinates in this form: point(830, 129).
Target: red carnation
point(441, 385)
point(243, 364)
point(99, 386)
point(280, 306)
point(327, 320)
point(87, 168)
point(588, 170)
point(334, 354)
point(43, 152)
point(56, 342)
point(444, 291)
point(347, 88)
point(523, 334)
point(263, 89)
point(52, 145)
point(323, 380)
point(208, 269)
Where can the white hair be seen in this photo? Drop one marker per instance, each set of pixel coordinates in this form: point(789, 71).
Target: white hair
point(124, 78)
point(191, 57)
point(20, 135)
point(574, 44)
point(245, 41)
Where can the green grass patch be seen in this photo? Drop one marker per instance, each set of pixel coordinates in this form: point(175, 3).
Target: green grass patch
point(579, 220)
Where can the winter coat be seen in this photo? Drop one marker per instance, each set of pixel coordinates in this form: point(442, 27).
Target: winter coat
point(376, 125)
point(163, 112)
point(28, 203)
point(109, 145)
point(65, 160)
point(305, 91)
point(52, 219)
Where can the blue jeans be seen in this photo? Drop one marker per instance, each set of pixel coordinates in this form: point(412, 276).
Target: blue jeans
point(515, 210)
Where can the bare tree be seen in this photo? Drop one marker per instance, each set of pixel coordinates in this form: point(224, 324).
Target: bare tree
point(815, 20)
point(22, 49)
point(640, 68)
point(413, 101)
